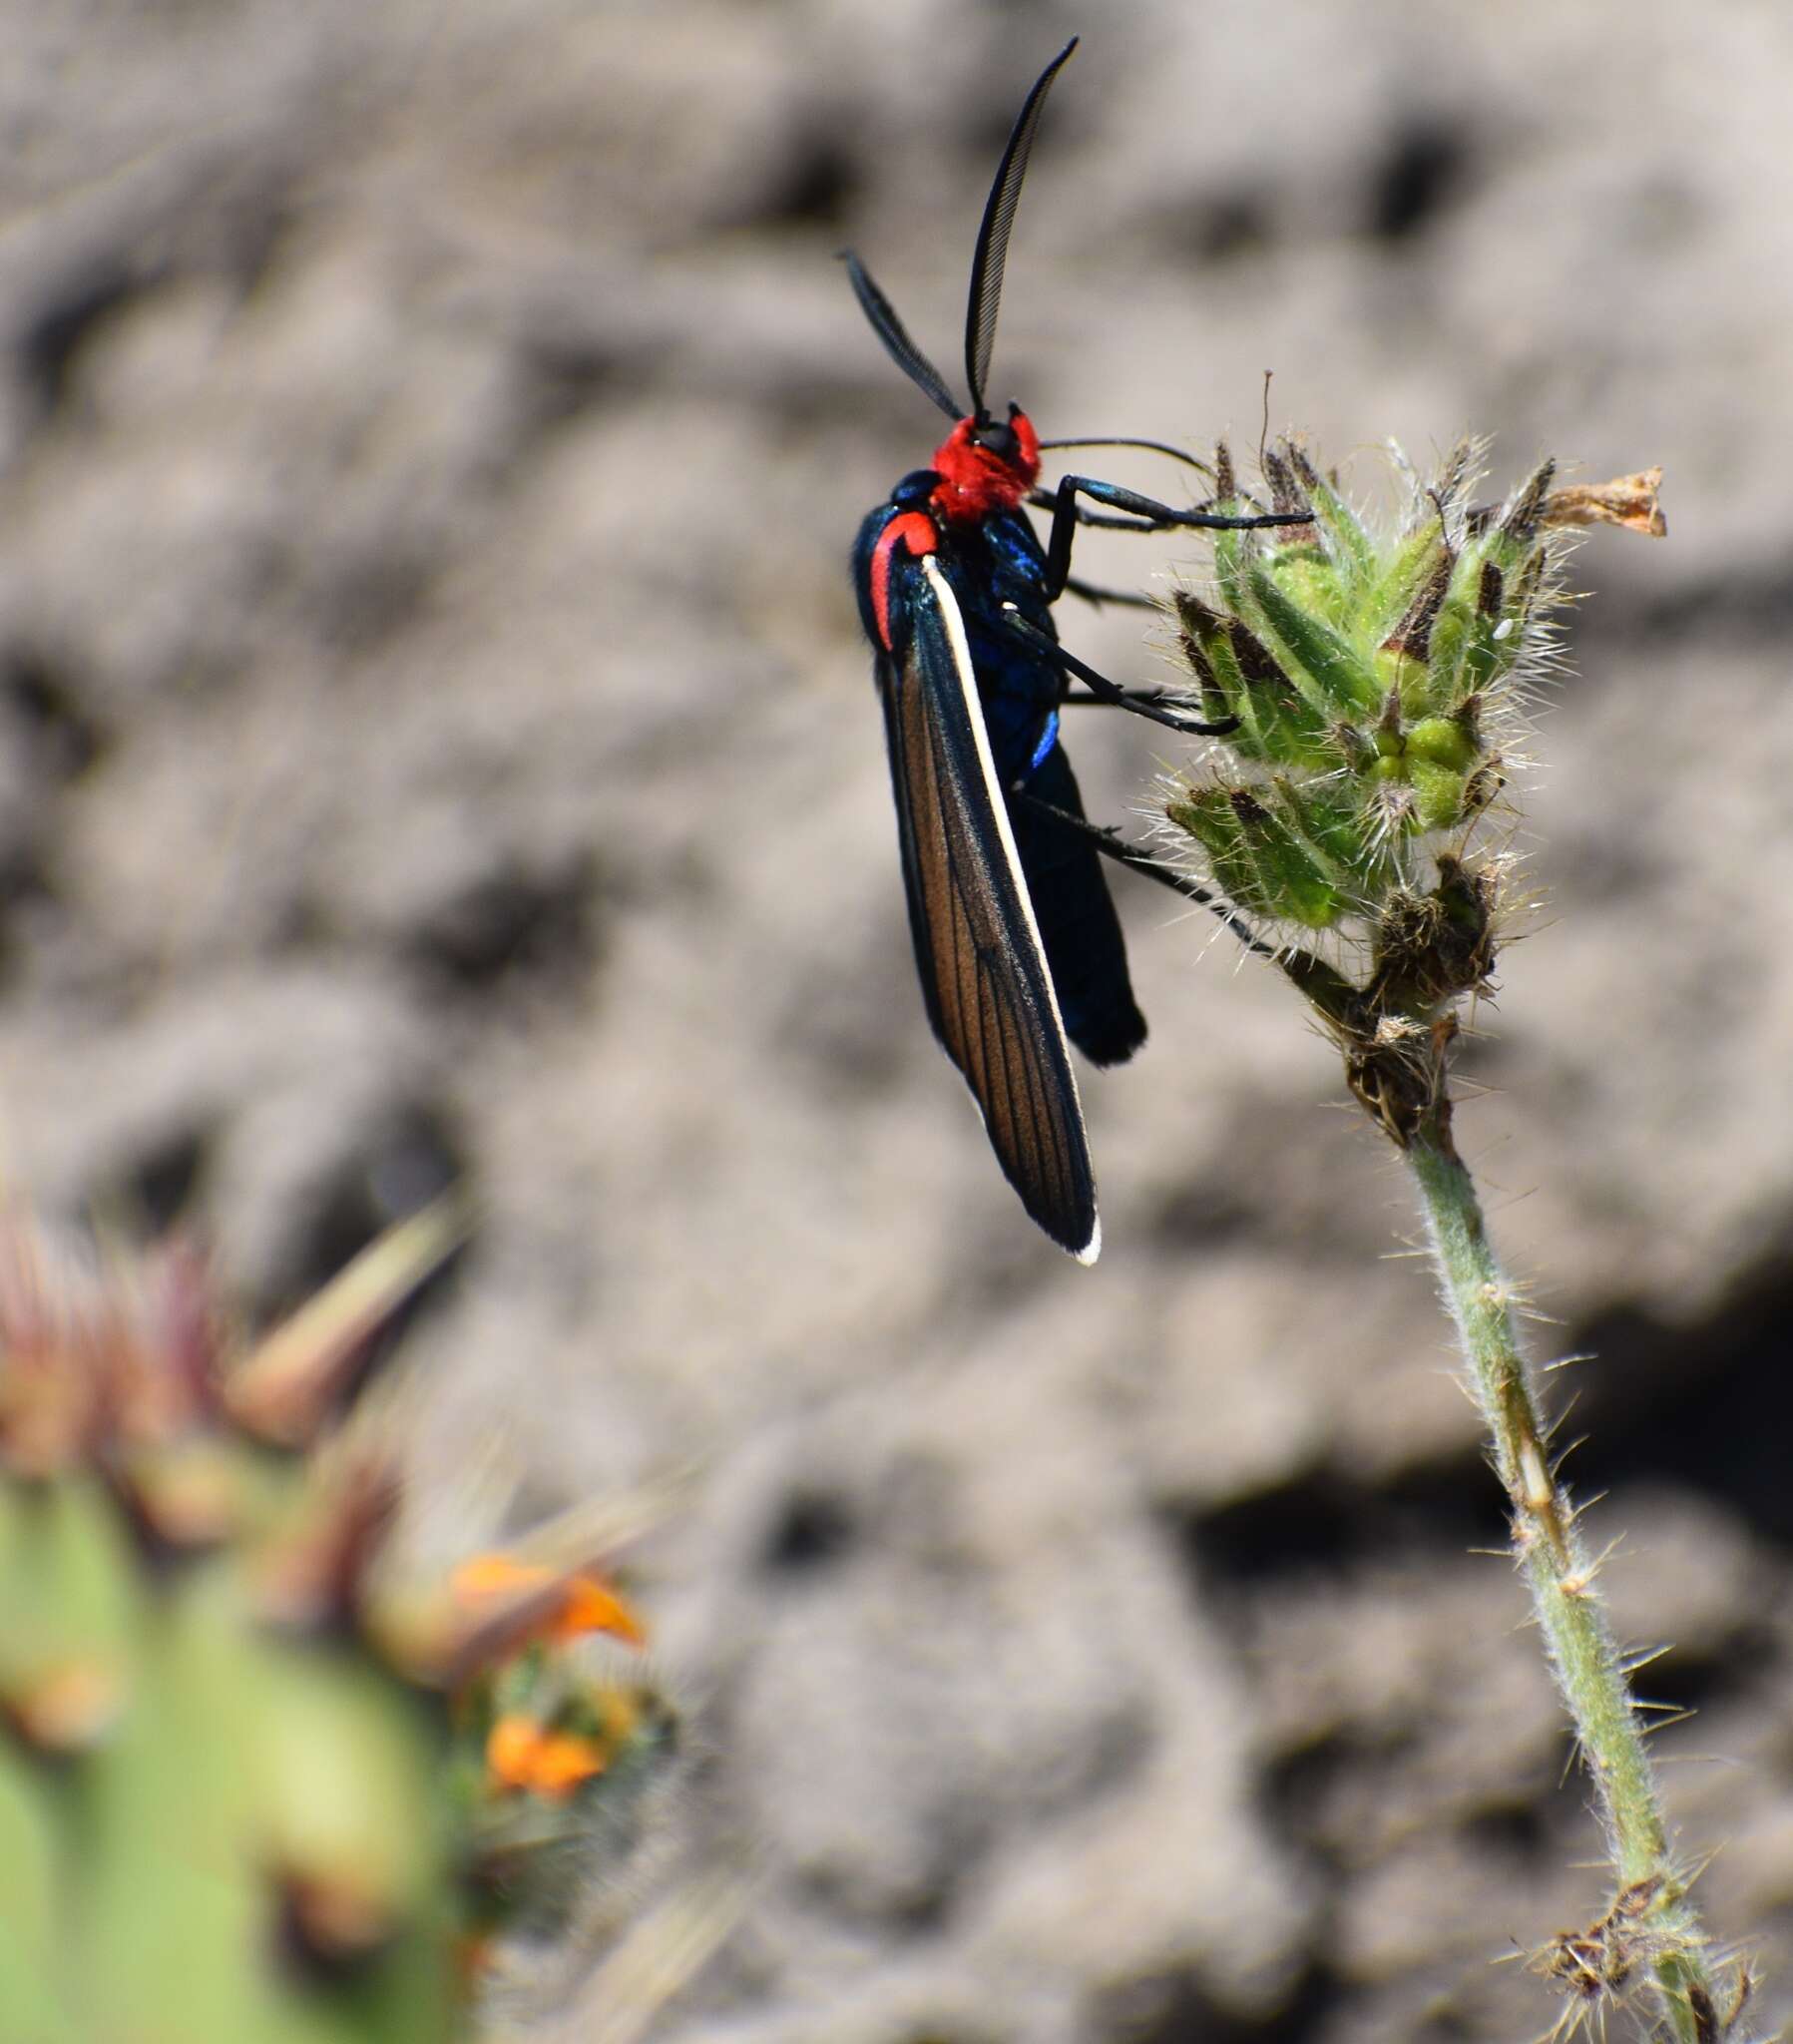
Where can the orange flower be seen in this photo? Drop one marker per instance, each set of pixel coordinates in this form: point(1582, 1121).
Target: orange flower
point(511, 1749)
point(522, 1755)
point(571, 1604)
point(591, 1606)
point(563, 1761)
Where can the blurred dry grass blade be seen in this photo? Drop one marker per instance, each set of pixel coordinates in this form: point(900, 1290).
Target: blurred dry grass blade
point(283, 1390)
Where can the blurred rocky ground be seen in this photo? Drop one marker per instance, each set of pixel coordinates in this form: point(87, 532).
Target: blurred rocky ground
point(435, 742)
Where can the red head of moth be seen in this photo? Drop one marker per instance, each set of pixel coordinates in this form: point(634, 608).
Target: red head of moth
point(985, 466)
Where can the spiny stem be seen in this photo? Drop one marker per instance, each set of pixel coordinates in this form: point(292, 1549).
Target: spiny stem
point(1362, 689)
point(1586, 1659)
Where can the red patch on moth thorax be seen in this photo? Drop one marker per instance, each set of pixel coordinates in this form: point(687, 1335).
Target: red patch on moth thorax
point(976, 480)
point(912, 529)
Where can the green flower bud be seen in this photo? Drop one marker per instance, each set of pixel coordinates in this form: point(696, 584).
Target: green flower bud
point(1441, 742)
point(1439, 792)
point(1261, 855)
point(1366, 671)
point(1330, 672)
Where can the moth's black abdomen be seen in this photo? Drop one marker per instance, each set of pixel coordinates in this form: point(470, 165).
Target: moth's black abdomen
point(1078, 924)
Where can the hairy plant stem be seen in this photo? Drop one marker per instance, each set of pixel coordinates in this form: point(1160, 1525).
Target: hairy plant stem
point(1590, 1668)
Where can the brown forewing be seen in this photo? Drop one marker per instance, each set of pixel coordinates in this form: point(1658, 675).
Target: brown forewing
point(983, 971)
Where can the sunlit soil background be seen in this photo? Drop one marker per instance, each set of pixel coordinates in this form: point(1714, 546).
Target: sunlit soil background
point(435, 744)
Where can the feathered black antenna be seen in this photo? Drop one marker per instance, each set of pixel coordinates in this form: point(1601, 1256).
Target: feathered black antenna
point(895, 337)
point(993, 236)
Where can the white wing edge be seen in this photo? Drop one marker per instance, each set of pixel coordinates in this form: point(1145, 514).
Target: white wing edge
point(998, 807)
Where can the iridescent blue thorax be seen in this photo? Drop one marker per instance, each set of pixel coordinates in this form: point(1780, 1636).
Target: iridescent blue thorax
point(995, 561)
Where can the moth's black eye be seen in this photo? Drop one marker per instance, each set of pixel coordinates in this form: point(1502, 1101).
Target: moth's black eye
point(998, 439)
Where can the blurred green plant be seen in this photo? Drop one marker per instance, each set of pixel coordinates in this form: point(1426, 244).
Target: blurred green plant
point(263, 1776)
point(1380, 683)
